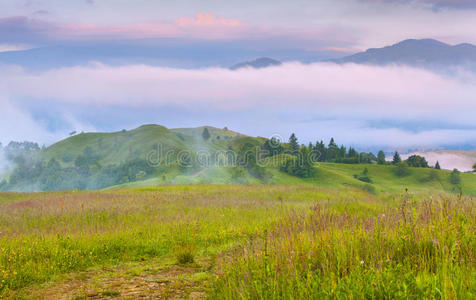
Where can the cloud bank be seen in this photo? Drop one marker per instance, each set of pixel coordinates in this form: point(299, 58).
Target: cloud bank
point(360, 105)
point(435, 4)
point(203, 25)
point(347, 25)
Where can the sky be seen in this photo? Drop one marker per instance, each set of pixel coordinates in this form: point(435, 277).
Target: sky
point(370, 107)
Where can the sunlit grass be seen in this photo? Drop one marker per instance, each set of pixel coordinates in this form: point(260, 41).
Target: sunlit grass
point(417, 250)
point(55, 233)
point(264, 241)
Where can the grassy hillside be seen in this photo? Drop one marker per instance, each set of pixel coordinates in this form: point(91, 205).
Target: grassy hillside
point(215, 133)
point(113, 148)
point(330, 175)
point(155, 155)
point(98, 160)
point(117, 147)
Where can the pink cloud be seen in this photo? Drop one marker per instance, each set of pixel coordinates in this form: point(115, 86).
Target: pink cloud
point(206, 25)
point(203, 25)
point(207, 19)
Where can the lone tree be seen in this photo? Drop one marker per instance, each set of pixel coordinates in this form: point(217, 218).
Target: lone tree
point(293, 145)
point(474, 167)
point(396, 158)
point(206, 134)
point(381, 158)
point(437, 166)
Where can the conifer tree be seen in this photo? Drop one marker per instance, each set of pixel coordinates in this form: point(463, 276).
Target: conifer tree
point(293, 145)
point(332, 150)
point(321, 151)
point(437, 166)
point(381, 158)
point(206, 134)
point(396, 158)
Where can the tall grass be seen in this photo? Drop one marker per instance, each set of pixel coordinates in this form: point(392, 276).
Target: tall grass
point(266, 242)
point(417, 250)
point(43, 236)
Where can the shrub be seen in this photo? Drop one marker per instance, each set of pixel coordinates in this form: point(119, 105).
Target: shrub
point(185, 257)
point(363, 178)
point(455, 177)
point(401, 169)
point(369, 188)
point(238, 175)
point(433, 176)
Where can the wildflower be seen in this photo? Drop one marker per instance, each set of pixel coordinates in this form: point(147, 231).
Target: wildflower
point(361, 262)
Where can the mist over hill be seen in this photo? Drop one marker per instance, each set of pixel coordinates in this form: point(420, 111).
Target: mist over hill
point(153, 154)
point(98, 160)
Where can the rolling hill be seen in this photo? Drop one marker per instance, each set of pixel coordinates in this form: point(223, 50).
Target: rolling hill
point(155, 155)
point(143, 143)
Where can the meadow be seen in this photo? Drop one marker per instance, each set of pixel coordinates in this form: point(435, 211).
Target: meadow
point(237, 242)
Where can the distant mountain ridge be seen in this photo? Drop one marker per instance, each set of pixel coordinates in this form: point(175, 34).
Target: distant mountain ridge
point(428, 53)
point(259, 63)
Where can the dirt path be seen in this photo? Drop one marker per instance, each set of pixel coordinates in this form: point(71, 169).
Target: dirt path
point(144, 280)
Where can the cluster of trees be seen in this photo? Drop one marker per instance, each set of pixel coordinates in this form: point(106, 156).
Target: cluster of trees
point(33, 173)
point(415, 161)
point(303, 157)
point(319, 151)
point(300, 164)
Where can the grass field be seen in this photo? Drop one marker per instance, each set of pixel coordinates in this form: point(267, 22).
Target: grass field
point(249, 242)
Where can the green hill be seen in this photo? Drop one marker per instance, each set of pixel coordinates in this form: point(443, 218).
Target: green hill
point(154, 155)
point(98, 160)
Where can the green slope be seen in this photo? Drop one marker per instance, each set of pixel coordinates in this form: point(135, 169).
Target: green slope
point(335, 176)
point(116, 147)
point(154, 143)
point(385, 180)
